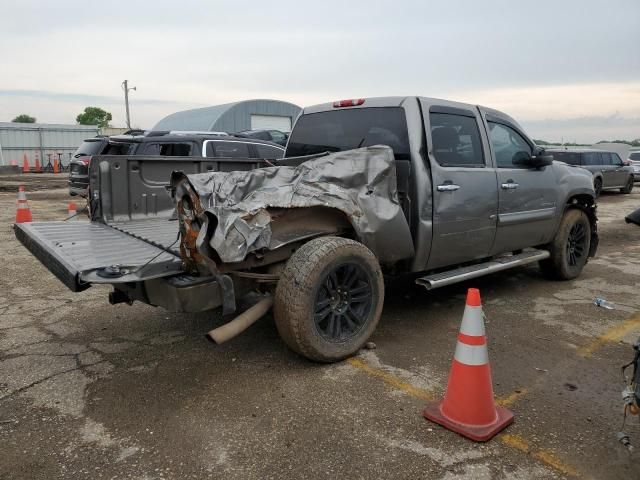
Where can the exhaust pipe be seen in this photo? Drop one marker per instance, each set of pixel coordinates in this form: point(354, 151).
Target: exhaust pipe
point(241, 322)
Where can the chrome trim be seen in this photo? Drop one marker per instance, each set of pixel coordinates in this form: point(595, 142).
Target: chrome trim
point(448, 187)
point(526, 216)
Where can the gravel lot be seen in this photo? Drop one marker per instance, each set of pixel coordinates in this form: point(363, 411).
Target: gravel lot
point(89, 390)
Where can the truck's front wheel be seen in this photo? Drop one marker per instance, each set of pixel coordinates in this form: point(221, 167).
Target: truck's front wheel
point(329, 298)
point(570, 247)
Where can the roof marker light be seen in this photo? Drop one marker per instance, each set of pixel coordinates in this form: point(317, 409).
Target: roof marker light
point(353, 102)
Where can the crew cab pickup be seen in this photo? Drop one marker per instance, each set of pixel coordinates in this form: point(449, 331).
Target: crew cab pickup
point(368, 188)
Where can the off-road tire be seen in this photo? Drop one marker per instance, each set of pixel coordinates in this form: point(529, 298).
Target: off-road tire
point(597, 186)
point(558, 265)
point(300, 293)
point(629, 186)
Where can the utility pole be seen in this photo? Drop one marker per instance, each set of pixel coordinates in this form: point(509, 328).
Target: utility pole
point(126, 88)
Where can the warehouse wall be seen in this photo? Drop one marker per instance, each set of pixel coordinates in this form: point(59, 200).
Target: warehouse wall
point(18, 139)
point(238, 117)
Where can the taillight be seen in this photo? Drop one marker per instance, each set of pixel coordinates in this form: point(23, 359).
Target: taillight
point(354, 102)
point(85, 161)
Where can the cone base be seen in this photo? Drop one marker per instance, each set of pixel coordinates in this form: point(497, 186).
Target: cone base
point(478, 433)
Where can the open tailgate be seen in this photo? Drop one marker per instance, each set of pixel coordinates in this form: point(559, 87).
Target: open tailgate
point(82, 253)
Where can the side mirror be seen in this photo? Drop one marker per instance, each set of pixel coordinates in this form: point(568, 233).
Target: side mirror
point(541, 160)
point(536, 161)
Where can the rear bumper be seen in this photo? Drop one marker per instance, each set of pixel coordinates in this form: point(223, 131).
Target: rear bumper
point(78, 185)
point(178, 293)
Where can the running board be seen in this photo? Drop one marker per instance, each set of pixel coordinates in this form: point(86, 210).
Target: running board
point(498, 264)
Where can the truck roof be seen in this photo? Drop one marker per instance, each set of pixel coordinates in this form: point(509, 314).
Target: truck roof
point(397, 101)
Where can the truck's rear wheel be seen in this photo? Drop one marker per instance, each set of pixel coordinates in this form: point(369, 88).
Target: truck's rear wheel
point(329, 298)
point(570, 247)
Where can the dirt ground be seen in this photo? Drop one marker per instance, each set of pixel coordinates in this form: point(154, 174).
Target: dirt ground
point(90, 390)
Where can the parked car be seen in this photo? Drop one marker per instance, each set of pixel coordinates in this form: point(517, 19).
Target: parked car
point(608, 169)
point(174, 143)
point(275, 136)
point(634, 161)
point(79, 164)
point(442, 191)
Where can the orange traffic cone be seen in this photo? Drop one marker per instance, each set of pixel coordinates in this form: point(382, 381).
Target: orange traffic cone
point(56, 168)
point(72, 212)
point(468, 407)
point(23, 212)
point(38, 167)
point(25, 164)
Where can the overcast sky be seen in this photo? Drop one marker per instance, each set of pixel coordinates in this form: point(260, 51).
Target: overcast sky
point(565, 69)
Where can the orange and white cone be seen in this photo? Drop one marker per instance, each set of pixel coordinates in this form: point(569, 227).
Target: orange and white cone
point(25, 164)
point(38, 167)
point(72, 210)
point(23, 212)
point(468, 407)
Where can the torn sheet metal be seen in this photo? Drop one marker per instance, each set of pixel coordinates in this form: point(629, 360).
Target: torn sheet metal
point(360, 183)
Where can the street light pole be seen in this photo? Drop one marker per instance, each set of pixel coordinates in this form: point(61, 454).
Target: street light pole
point(126, 88)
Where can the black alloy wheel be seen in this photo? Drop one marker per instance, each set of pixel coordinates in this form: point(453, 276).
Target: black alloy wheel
point(576, 245)
point(343, 302)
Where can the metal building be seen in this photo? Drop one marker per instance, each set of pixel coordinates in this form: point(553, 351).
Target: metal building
point(234, 117)
point(47, 139)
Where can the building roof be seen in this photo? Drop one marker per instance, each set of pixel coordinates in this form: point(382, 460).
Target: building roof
point(201, 119)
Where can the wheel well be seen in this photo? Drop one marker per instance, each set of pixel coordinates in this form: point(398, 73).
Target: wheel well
point(584, 202)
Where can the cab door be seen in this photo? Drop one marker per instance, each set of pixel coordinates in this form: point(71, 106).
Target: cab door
point(526, 196)
point(465, 197)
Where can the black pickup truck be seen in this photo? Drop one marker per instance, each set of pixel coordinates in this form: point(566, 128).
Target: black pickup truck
point(440, 190)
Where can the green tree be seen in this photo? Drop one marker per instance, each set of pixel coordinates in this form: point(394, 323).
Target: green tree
point(24, 118)
point(94, 116)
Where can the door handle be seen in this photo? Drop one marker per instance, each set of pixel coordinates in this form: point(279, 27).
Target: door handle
point(448, 187)
point(510, 186)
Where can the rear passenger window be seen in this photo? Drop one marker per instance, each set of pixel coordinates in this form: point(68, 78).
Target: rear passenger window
point(228, 149)
point(591, 158)
point(456, 140)
point(168, 149)
point(267, 151)
point(509, 147)
point(606, 158)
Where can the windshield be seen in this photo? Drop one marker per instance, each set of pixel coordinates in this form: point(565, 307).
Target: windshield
point(634, 156)
point(339, 130)
point(89, 148)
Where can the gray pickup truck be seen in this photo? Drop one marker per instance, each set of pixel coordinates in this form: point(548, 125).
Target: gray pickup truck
point(368, 188)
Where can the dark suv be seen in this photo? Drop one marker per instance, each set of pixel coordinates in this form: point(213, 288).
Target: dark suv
point(175, 144)
point(608, 169)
